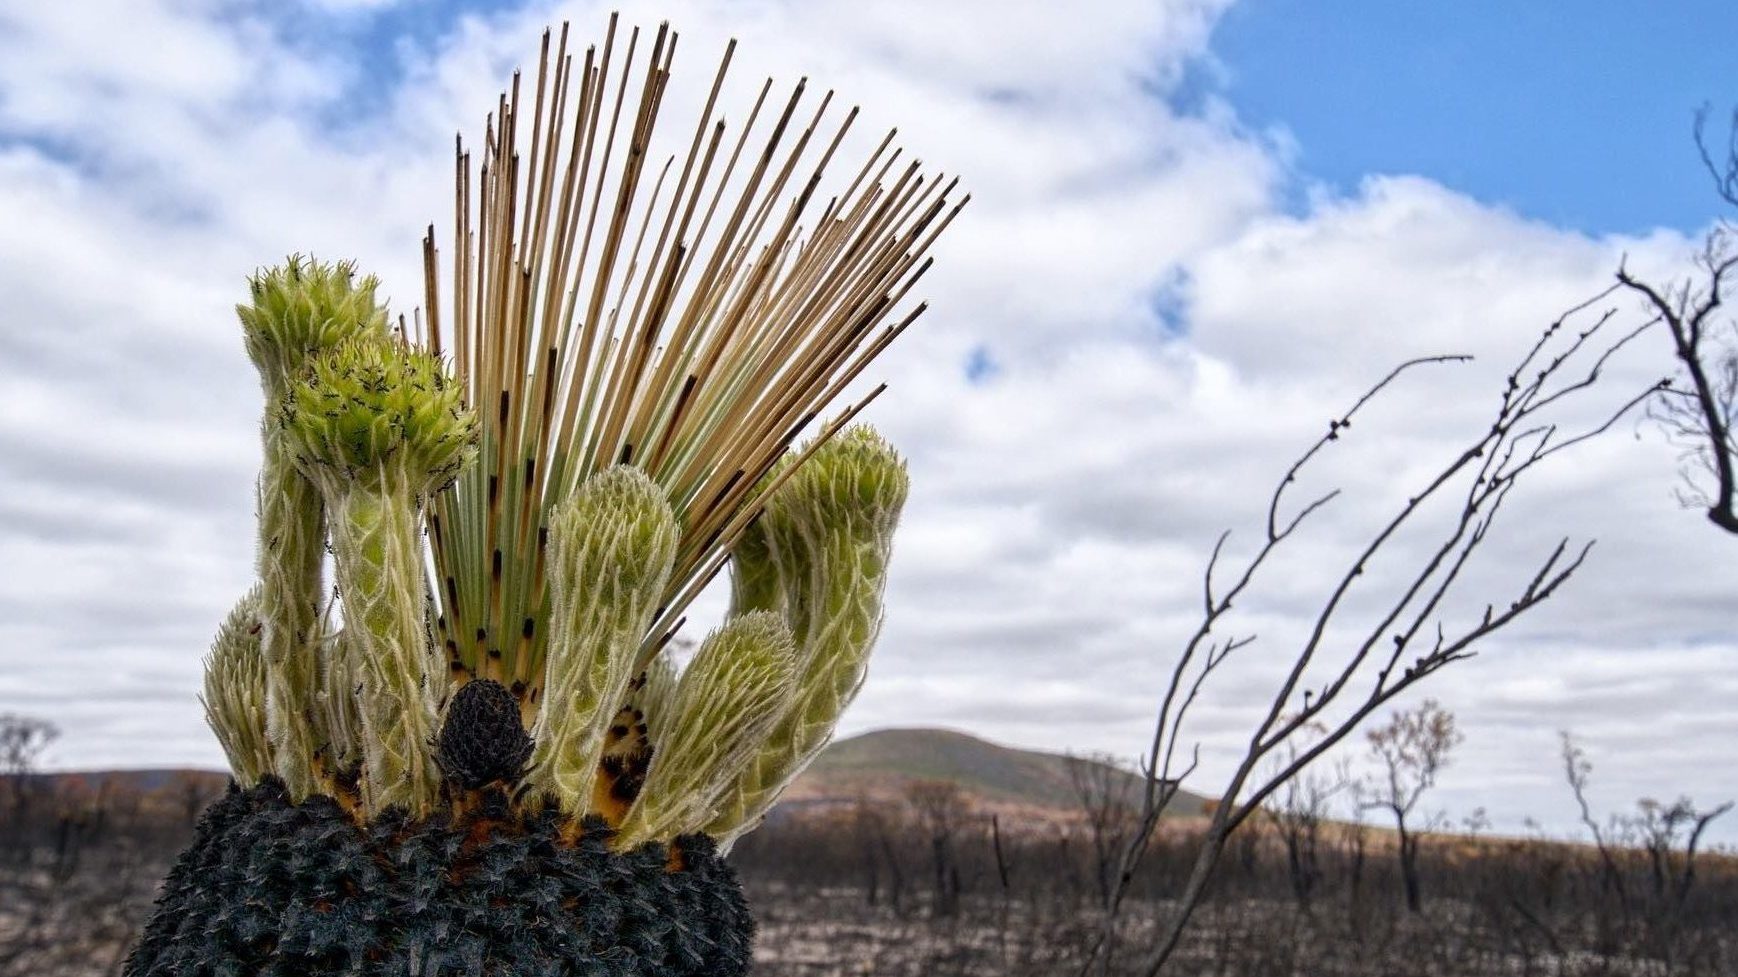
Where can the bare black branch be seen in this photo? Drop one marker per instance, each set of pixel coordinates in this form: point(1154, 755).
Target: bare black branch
point(1696, 412)
point(1332, 686)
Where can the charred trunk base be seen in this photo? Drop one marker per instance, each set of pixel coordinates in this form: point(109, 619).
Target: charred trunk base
point(273, 889)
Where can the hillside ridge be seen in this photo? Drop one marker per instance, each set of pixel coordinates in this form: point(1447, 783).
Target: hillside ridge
point(878, 766)
point(882, 764)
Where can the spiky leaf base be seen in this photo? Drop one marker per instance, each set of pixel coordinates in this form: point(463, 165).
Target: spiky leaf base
point(271, 888)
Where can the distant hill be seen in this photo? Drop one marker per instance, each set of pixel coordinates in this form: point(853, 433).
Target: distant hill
point(143, 781)
point(1023, 786)
point(880, 766)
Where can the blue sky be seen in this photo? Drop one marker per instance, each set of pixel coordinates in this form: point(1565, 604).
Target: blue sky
point(1579, 113)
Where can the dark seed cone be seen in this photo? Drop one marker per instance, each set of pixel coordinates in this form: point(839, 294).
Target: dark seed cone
point(483, 740)
point(270, 888)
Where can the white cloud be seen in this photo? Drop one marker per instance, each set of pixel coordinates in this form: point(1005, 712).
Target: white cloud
point(1164, 340)
point(356, 6)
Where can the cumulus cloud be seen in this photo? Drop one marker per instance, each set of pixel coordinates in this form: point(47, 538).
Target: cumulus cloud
point(1130, 338)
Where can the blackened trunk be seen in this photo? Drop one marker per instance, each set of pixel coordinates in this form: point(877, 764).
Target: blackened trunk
point(275, 889)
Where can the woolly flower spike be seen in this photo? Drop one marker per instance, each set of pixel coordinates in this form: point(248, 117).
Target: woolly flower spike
point(613, 544)
point(235, 692)
point(369, 408)
point(303, 308)
point(737, 688)
point(300, 310)
point(378, 426)
point(829, 532)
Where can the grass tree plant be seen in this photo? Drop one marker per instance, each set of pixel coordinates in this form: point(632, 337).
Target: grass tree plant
point(478, 754)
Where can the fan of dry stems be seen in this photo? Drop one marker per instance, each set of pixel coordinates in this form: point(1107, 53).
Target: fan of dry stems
point(693, 329)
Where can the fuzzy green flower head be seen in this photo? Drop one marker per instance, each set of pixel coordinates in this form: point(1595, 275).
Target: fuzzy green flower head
point(855, 475)
point(370, 407)
point(751, 652)
point(738, 687)
point(235, 691)
point(623, 516)
point(303, 308)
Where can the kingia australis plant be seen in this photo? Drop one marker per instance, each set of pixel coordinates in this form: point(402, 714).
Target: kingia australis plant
point(476, 753)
